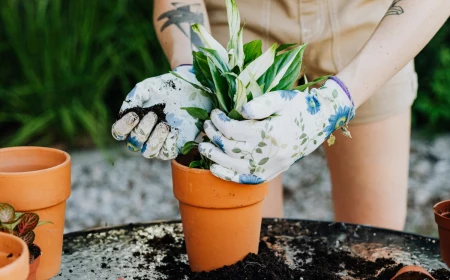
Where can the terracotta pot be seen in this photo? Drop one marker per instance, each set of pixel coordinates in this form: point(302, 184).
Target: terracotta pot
point(221, 220)
point(412, 272)
point(37, 179)
point(33, 269)
point(442, 218)
point(15, 266)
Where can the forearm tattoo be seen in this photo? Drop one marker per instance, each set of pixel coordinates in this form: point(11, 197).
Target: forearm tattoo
point(394, 9)
point(183, 16)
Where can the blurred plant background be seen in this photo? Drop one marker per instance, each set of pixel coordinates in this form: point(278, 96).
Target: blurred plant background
point(66, 66)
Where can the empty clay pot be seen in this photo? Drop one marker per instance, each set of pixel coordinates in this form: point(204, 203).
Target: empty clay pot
point(221, 220)
point(14, 257)
point(442, 218)
point(412, 272)
point(37, 179)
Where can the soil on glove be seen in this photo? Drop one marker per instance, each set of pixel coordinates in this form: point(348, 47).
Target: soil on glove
point(313, 260)
point(158, 109)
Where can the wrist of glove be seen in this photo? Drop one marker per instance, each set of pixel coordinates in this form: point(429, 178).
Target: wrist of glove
point(281, 128)
point(151, 119)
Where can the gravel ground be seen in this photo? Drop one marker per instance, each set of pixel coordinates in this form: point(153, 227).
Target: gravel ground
point(129, 188)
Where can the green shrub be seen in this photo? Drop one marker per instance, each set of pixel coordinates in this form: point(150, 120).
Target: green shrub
point(431, 110)
point(67, 65)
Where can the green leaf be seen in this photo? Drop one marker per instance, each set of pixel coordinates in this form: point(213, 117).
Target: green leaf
point(188, 146)
point(197, 86)
point(235, 115)
point(307, 85)
point(7, 213)
point(236, 150)
point(209, 42)
point(263, 161)
point(201, 69)
point(263, 134)
point(285, 70)
point(41, 223)
point(262, 144)
point(215, 58)
point(198, 113)
point(284, 46)
point(252, 50)
point(199, 125)
point(240, 98)
point(195, 163)
point(258, 66)
point(303, 135)
point(235, 45)
point(221, 87)
point(255, 89)
point(258, 150)
point(304, 141)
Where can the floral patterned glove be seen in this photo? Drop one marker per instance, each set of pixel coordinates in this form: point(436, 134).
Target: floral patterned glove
point(152, 119)
point(281, 128)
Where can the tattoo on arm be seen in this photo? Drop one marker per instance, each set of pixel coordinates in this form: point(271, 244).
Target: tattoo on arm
point(394, 9)
point(183, 16)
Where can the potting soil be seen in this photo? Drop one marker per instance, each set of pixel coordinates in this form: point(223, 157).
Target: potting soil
point(313, 259)
point(288, 249)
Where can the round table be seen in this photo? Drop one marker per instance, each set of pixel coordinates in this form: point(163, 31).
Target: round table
point(119, 252)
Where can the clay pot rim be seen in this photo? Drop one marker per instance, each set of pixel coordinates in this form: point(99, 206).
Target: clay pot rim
point(34, 172)
point(182, 167)
point(440, 213)
point(410, 268)
point(24, 256)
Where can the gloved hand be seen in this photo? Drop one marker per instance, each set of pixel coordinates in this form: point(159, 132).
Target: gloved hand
point(151, 118)
point(281, 128)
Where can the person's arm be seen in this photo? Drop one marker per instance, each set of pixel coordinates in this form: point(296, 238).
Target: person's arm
point(173, 20)
point(404, 31)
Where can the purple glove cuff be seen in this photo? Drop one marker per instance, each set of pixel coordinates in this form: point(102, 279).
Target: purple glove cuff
point(344, 88)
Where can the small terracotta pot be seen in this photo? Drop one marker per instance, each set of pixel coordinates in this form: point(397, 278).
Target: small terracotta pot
point(37, 179)
point(413, 272)
point(442, 218)
point(33, 269)
point(15, 266)
point(221, 220)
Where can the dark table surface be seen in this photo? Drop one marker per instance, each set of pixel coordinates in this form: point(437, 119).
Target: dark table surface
point(110, 253)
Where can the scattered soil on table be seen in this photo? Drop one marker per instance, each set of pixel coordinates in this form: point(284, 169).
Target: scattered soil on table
point(158, 109)
point(313, 260)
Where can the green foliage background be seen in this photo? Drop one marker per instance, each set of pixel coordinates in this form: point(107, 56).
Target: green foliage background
point(66, 66)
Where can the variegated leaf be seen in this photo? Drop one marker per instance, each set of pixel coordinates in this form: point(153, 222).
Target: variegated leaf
point(7, 213)
point(258, 66)
point(209, 42)
point(27, 223)
point(28, 237)
point(240, 97)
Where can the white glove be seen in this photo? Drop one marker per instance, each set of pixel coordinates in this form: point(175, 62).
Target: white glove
point(294, 124)
point(151, 118)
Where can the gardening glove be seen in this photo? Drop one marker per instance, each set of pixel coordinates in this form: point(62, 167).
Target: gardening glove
point(281, 128)
point(151, 118)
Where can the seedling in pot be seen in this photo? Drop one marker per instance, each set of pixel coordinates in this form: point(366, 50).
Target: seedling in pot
point(21, 225)
point(233, 76)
